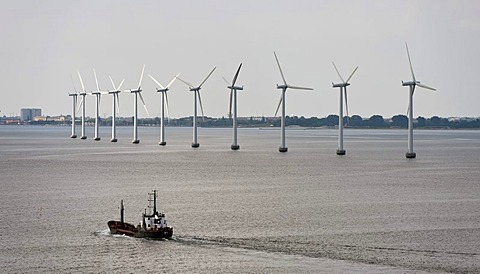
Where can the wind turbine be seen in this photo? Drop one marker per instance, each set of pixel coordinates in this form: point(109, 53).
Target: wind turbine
point(135, 110)
point(116, 99)
point(343, 91)
point(412, 84)
point(164, 100)
point(196, 91)
point(83, 94)
point(284, 87)
point(233, 99)
point(74, 106)
point(97, 94)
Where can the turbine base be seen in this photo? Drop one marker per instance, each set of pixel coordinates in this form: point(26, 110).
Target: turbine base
point(73, 136)
point(283, 149)
point(83, 137)
point(162, 143)
point(135, 141)
point(96, 139)
point(235, 147)
point(195, 145)
point(113, 140)
point(341, 151)
point(411, 155)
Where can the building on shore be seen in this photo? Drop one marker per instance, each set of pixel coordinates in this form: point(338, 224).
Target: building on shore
point(27, 114)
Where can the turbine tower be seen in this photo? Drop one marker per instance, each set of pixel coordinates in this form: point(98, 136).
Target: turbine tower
point(83, 94)
point(164, 99)
point(196, 91)
point(137, 93)
point(116, 99)
point(412, 84)
point(97, 94)
point(74, 106)
point(284, 87)
point(233, 99)
point(343, 91)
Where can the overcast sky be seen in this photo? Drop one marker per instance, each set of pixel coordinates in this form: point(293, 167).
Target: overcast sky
point(43, 42)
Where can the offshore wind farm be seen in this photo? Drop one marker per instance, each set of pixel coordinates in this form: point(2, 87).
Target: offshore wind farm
point(272, 79)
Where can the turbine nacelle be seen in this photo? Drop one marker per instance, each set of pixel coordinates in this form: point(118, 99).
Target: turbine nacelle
point(410, 83)
point(195, 89)
point(135, 90)
point(282, 86)
point(340, 85)
point(163, 90)
point(235, 87)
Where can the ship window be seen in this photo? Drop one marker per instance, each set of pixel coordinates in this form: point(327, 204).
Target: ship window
point(149, 218)
point(148, 225)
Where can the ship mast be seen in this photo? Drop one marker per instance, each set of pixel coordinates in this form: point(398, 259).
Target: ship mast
point(154, 202)
point(154, 207)
point(122, 211)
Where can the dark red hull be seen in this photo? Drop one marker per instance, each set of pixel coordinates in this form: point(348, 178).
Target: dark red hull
point(117, 227)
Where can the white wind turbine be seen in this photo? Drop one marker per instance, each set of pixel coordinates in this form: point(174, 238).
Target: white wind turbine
point(343, 91)
point(233, 100)
point(163, 90)
point(83, 94)
point(412, 84)
point(137, 93)
point(74, 106)
point(97, 94)
point(284, 87)
point(115, 108)
point(196, 91)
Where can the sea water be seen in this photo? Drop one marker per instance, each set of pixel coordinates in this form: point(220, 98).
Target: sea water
point(254, 210)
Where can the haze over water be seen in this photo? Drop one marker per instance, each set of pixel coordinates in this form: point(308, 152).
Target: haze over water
point(249, 211)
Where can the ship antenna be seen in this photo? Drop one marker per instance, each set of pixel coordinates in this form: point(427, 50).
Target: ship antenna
point(122, 211)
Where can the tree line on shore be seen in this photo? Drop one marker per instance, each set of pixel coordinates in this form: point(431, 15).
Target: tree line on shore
point(355, 121)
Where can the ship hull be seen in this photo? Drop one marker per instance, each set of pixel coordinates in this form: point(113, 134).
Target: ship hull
point(127, 229)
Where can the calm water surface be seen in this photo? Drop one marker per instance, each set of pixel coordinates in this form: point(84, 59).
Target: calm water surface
point(249, 211)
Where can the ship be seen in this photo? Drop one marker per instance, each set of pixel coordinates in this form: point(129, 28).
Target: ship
point(152, 225)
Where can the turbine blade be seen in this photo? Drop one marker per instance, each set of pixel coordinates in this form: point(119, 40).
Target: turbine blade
point(338, 72)
point(121, 83)
point(426, 87)
point(351, 75)
point(230, 109)
point(201, 106)
point(81, 103)
point(96, 80)
point(166, 101)
point(111, 80)
point(118, 102)
point(207, 77)
point(141, 77)
point(143, 102)
point(278, 107)
point(73, 84)
point(410, 62)
point(81, 81)
point(236, 74)
point(173, 80)
point(156, 81)
point(295, 87)
point(280, 68)
point(188, 84)
point(346, 101)
point(225, 80)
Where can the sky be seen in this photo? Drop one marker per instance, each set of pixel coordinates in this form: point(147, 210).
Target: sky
point(44, 42)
